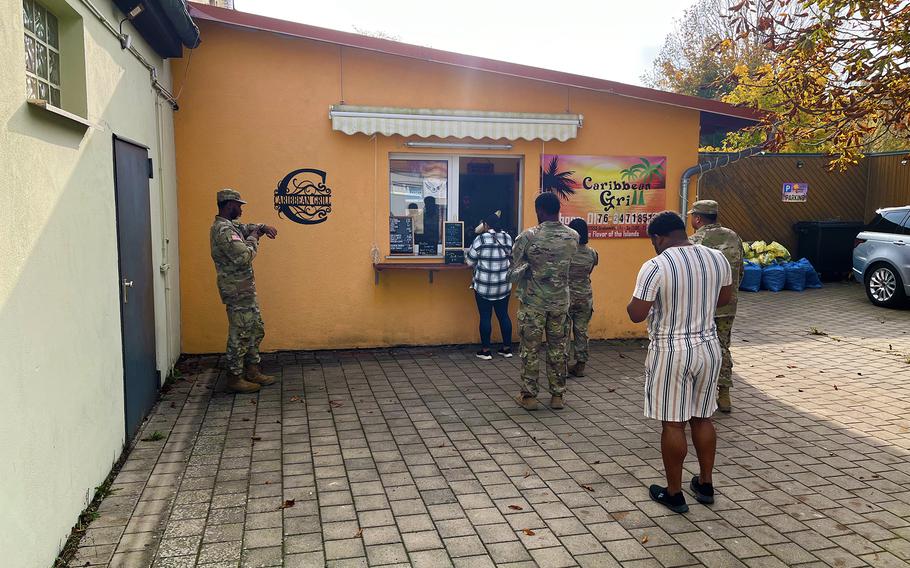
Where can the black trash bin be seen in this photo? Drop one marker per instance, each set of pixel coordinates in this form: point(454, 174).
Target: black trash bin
point(828, 245)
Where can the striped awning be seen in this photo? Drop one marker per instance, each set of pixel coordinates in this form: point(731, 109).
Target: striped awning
point(445, 123)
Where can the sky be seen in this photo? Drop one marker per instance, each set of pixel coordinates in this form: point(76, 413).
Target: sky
point(607, 39)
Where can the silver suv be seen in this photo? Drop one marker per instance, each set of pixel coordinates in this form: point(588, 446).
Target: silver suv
point(881, 257)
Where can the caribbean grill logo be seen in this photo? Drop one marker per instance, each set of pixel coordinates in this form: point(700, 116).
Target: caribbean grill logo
point(303, 197)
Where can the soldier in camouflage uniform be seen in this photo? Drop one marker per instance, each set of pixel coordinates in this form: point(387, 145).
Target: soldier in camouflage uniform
point(581, 298)
point(234, 246)
point(540, 268)
point(710, 233)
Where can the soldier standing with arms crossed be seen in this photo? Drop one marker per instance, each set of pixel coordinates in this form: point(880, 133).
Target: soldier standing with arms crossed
point(234, 246)
point(540, 267)
point(710, 233)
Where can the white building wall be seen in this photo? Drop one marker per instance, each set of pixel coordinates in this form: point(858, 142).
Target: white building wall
point(61, 371)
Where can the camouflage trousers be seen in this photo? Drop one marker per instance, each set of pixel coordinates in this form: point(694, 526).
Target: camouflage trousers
point(579, 317)
point(245, 333)
point(724, 329)
point(535, 327)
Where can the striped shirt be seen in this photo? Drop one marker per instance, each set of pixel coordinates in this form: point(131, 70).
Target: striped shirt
point(490, 256)
point(684, 283)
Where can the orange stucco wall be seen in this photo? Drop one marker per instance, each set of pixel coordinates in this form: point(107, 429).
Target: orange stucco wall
point(254, 107)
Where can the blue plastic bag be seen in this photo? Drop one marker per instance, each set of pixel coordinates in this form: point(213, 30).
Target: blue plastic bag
point(773, 278)
point(794, 276)
point(812, 279)
point(751, 281)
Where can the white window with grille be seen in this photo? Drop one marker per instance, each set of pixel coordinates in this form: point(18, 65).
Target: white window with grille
point(42, 53)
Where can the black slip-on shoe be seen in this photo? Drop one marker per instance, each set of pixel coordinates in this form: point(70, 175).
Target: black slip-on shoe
point(704, 492)
point(676, 503)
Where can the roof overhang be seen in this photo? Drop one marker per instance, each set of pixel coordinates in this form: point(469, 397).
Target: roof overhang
point(165, 24)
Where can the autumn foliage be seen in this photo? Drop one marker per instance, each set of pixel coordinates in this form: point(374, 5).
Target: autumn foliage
point(838, 81)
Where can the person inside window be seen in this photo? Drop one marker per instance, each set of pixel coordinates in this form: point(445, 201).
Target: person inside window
point(490, 255)
point(430, 220)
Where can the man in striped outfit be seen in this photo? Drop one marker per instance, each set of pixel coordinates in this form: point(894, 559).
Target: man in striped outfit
point(678, 292)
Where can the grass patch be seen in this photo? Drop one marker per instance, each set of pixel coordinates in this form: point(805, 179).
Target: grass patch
point(154, 437)
point(88, 515)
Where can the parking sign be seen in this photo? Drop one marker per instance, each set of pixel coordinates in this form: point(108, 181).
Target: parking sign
point(795, 192)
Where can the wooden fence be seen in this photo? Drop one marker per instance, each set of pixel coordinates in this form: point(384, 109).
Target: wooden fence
point(750, 192)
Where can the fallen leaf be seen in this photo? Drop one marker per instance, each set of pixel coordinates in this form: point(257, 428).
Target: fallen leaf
point(336, 403)
point(253, 401)
point(359, 533)
point(256, 438)
point(835, 387)
point(516, 507)
point(745, 341)
point(287, 504)
point(791, 366)
point(611, 390)
point(587, 487)
point(246, 419)
point(800, 390)
point(295, 399)
point(860, 374)
point(528, 532)
point(527, 473)
point(621, 356)
point(278, 422)
point(596, 462)
point(779, 377)
point(268, 482)
point(890, 348)
point(644, 539)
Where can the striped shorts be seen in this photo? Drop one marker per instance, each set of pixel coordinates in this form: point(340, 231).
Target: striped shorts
point(681, 384)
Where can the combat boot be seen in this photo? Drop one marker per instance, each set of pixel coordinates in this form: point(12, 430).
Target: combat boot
point(724, 404)
point(254, 375)
point(236, 383)
point(556, 402)
point(527, 402)
point(578, 369)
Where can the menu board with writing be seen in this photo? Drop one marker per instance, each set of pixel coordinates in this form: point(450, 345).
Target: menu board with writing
point(454, 235)
point(401, 235)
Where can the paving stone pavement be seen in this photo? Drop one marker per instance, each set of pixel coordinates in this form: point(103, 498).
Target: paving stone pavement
point(420, 457)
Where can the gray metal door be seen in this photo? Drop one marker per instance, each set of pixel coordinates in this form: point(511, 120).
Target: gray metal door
point(137, 308)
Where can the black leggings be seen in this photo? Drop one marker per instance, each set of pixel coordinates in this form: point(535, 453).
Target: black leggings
point(485, 308)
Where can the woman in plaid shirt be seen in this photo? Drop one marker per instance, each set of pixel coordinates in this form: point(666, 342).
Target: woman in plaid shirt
point(490, 255)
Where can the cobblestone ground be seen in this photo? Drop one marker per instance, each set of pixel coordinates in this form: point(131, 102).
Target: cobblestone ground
point(420, 457)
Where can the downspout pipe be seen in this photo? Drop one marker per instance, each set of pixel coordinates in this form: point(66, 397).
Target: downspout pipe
point(709, 165)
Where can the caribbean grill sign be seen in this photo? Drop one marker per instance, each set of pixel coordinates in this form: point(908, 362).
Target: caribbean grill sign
point(303, 197)
point(616, 195)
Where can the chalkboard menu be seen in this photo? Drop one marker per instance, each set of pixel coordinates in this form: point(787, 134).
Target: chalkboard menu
point(454, 235)
point(454, 256)
point(401, 235)
point(426, 249)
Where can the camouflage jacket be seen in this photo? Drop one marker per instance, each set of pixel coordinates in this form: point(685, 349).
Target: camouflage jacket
point(540, 265)
point(726, 241)
point(233, 250)
point(583, 263)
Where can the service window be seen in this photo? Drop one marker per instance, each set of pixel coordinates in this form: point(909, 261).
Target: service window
point(433, 189)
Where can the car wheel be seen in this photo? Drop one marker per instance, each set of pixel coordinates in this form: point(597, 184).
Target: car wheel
point(884, 286)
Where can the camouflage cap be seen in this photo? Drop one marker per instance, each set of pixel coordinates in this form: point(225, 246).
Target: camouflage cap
point(704, 207)
point(229, 195)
